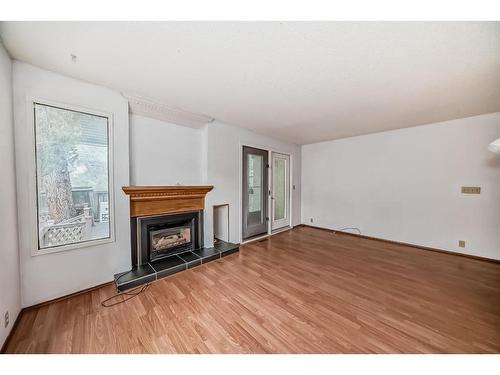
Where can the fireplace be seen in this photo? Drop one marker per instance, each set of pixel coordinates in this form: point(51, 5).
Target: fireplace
point(166, 225)
point(160, 236)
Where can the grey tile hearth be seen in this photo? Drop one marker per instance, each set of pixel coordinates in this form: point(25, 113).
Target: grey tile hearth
point(169, 265)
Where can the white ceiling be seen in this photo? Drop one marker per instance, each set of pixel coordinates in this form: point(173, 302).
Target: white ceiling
point(298, 81)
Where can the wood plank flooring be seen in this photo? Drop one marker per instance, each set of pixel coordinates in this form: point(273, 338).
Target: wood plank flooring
point(301, 291)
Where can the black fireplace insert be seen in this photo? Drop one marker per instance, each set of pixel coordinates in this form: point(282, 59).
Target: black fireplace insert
point(160, 236)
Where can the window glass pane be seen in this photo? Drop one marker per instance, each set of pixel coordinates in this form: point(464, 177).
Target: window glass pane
point(72, 170)
point(279, 188)
point(255, 166)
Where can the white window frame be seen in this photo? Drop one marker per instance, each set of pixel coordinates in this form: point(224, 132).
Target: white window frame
point(33, 193)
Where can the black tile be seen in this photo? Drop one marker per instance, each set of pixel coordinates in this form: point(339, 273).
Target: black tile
point(137, 276)
point(168, 262)
point(191, 259)
point(171, 271)
point(168, 266)
point(230, 251)
point(135, 283)
point(207, 254)
point(194, 263)
point(189, 256)
point(224, 246)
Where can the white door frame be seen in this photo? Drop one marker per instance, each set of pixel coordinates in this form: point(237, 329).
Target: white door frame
point(240, 183)
point(285, 222)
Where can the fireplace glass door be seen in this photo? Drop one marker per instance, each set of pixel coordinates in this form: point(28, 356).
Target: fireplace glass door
point(169, 240)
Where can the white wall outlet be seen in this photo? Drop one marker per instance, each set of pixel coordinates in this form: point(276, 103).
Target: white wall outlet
point(461, 243)
point(471, 189)
point(312, 220)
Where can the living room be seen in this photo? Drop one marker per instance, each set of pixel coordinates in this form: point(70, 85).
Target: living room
point(289, 187)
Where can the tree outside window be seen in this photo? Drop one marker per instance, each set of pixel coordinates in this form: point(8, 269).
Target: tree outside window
point(72, 166)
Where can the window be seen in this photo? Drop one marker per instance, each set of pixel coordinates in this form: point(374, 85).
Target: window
point(72, 176)
point(255, 163)
point(279, 188)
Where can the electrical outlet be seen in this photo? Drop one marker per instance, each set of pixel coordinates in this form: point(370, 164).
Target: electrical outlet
point(461, 243)
point(471, 189)
point(312, 220)
point(6, 317)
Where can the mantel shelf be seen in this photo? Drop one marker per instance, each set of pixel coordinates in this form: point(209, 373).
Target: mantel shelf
point(156, 200)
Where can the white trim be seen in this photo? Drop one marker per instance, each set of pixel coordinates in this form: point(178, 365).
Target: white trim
point(269, 150)
point(142, 106)
point(32, 183)
point(283, 229)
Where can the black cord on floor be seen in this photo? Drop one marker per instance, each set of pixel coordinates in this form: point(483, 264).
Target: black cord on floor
point(131, 294)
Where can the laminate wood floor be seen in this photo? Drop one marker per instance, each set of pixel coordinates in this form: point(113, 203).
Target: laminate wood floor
point(301, 291)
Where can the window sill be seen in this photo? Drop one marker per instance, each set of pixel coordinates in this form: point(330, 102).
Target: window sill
point(74, 246)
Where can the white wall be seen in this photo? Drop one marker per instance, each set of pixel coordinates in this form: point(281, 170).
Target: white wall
point(223, 145)
point(10, 295)
point(166, 154)
point(163, 153)
point(53, 275)
point(404, 185)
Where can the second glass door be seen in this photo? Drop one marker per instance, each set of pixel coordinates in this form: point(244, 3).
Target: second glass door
point(280, 190)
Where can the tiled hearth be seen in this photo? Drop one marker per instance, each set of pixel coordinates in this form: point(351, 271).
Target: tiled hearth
point(152, 271)
point(158, 247)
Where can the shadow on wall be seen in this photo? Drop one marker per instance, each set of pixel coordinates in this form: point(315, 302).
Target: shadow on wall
point(493, 161)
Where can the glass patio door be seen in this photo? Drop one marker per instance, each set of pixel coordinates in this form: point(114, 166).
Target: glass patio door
point(280, 192)
point(255, 192)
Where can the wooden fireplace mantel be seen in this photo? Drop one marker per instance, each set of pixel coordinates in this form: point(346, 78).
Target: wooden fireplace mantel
point(155, 200)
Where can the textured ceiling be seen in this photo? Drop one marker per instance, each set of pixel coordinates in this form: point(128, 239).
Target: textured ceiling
point(298, 81)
